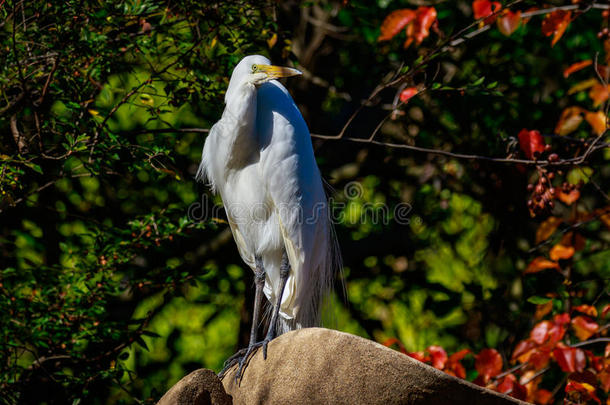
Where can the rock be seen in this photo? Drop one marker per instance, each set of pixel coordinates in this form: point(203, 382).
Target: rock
point(201, 387)
point(322, 366)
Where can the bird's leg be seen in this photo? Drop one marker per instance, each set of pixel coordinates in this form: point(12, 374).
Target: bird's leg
point(242, 355)
point(284, 272)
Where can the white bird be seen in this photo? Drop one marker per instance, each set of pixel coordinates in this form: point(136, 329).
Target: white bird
point(259, 157)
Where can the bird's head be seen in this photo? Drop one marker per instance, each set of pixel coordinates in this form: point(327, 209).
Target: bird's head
point(257, 69)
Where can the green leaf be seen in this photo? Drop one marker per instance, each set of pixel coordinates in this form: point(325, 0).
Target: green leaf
point(142, 343)
point(538, 300)
point(34, 167)
point(479, 81)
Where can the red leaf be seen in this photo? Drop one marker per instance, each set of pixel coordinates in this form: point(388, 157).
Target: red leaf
point(574, 67)
point(438, 356)
point(605, 310)
point(509, 384)
point(555, 24)
point(393, 341)
point(485, 8)
point(457, 356)
point(562, 319)
point(421, 28)
point(586, 309)
point(394, 22)
point(540, 332)
point(457, 370)
point(539, 359)
point(509, 22)
point(570, 359)
point(488, 362)
point(531, 142)
point(407, 93)
point(587, 391)
point(454, 367)
point(584, 327)
point(418, 356)
point(539, 264)
point(523, 351)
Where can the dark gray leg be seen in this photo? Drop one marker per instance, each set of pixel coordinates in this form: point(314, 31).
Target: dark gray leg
point(284, 272)
point(242, 355)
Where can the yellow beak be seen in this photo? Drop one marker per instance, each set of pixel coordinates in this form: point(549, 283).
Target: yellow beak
point(275, 72)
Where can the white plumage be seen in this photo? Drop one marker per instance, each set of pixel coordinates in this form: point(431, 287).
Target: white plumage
point(259, 157)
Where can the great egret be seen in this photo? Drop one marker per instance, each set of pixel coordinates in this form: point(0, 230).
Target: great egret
point(259, 157)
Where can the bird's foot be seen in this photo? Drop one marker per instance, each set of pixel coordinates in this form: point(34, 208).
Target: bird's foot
point(231, 361)
point(242, 358)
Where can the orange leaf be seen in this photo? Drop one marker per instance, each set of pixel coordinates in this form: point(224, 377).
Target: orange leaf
point(394, 22)
point(570, 359)
point(544, 397)
point(485, 8)
point(598, 122)
point(584, 85)
point(543, 309)
point(561, 252)
point(604, 379)
point(586, 309)
point(407, 93)
point(547, 228)
point(599, 94)
point(584, 327)
point(604, 215)
point(574, 239)
point(531, 143)
point(569, 198)
point(555, 24)
point(438, 356)
point(509, 22)
point(569, 121)
point(574, 67)
point(539, 264)
point(488, 362)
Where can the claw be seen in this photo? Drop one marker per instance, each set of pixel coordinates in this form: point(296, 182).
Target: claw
point(242, 357)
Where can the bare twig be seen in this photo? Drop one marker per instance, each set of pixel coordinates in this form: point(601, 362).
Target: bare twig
point(16, 134)
point(591, 342)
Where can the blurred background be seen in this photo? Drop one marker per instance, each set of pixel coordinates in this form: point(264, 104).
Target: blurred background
point(117, 276)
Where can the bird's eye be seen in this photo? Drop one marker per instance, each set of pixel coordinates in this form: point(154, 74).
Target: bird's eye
point(254, 68)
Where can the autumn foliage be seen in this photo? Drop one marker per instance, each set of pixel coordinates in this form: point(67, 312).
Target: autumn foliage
point(566, 340)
